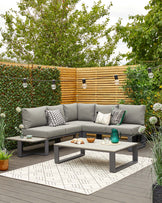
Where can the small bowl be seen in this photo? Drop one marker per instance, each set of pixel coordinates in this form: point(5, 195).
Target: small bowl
point(91, 139)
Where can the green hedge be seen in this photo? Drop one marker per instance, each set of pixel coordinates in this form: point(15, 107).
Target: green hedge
point(38, 93)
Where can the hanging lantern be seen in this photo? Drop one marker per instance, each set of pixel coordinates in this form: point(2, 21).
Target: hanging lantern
point(84, 85)
point(150, 73)
point(116, 80)
point(53, 86)
point(25, 84)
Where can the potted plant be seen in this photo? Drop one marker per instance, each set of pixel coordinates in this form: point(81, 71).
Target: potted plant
point(156, 145)
point(4, 160)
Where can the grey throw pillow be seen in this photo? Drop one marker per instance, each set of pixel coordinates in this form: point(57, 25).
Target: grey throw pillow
point(55, 118)
point(117, 116)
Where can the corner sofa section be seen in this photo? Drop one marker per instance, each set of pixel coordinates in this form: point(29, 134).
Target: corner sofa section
point(80, 118)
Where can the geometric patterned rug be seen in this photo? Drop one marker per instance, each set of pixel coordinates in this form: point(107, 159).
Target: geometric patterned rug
point(85, 175)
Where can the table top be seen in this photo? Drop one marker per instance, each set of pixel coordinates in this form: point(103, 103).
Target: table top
point(32, 140)
point(98, 145)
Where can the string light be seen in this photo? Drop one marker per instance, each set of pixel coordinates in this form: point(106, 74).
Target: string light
point(25, 84)
point(116, 79)
point(150, 73)
point(84, 85)
point(53, 86)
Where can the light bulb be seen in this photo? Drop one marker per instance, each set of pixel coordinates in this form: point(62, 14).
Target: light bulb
point(53, 86)
point(150, 74)
point(116, 80)
point(84, 85)
point(25, 84)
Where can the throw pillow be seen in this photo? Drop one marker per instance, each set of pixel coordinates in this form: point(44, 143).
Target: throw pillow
point(117, 116)
point(55, 118)
point(103, 118)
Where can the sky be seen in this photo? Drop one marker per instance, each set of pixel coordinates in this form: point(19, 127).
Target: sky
point(120, 9)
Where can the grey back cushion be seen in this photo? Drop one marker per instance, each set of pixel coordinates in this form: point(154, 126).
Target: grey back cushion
point(104, 108)
point(59, 107)
point(33, 117)
point(135, 114)
point(71, 112)
point(86, 112)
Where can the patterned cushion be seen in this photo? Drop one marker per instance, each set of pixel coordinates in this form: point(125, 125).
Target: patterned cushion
point(55, 118)
point(103, 118)
point(117, 116)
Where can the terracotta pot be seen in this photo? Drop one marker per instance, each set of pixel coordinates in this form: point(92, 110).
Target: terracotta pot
point(4, 165)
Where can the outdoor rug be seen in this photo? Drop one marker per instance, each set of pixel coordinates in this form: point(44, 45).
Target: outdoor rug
point(85, 175)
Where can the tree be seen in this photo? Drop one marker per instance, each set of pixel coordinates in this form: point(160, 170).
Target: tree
point(144, 35)
point(54, 32)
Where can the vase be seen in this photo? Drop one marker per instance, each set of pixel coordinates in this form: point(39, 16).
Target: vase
point(157, 193)
point(4, 165)
point(114, 136)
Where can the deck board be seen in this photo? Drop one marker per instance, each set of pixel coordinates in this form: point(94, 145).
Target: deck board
point(134, 188)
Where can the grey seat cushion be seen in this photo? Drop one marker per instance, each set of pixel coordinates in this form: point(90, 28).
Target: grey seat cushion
point(33, 117)
point(60, 107)
point(135, 114)
point(86, 112)
point(94, 127)
point(125, 129)
point(72, 127)
point(71, 112)
point(45, 131)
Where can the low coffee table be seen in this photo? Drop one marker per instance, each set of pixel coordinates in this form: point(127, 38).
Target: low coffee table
point(112, 149)
point(20, 142)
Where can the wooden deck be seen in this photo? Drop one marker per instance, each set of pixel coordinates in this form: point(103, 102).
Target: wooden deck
point(135, 188)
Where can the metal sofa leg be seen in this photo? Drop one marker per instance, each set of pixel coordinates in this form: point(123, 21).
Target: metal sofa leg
point(83, 134)
point(57, 140)
point(99, 136)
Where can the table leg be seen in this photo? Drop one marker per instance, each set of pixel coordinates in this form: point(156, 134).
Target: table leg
point(112, 162)
point(135, 153)
point(20, 148)
point(56, 154)
point(46, 147)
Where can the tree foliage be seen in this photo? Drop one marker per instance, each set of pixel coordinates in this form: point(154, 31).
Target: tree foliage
point(54, 32)
point(144, 35)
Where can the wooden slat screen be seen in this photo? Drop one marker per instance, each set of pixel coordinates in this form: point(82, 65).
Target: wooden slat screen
point(100, 85)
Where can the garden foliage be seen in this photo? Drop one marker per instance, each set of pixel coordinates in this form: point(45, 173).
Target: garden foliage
point(38, 93)
point(55, 32)
point(143, 90)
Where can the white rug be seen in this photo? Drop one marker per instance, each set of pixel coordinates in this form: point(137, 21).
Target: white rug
point(85, 175)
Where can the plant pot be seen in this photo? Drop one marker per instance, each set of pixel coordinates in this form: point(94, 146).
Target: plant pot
point(4, 165)
point(157, 193)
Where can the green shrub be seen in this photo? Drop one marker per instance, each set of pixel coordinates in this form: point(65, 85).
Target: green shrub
point(38, 93)
point(143, 90)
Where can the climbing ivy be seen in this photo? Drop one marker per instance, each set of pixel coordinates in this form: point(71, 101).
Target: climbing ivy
point(37, 93)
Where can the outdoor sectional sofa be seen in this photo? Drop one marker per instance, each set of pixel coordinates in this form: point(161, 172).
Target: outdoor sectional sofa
point(80, 118)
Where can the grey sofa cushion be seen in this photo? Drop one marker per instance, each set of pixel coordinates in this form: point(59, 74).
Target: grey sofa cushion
point(45, 131)
point(60, 107)
point(72, 127)
point(86, 112)
point(71, 112)
point(105, 108)
point(33, 117)
point(94, 127)
point(125, 129)
point(135, 114)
